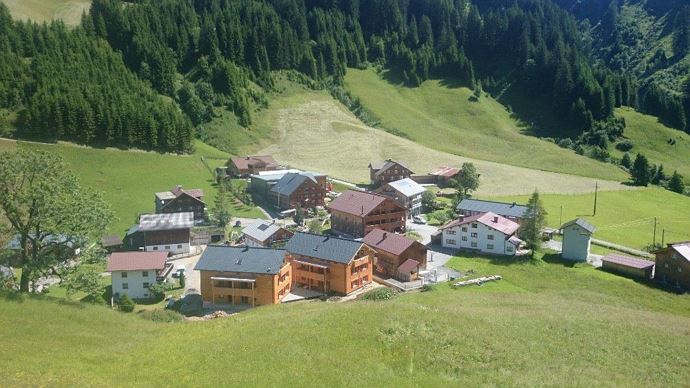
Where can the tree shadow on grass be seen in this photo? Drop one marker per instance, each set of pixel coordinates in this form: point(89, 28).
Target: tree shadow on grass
point(496, 259)
point(555, 258)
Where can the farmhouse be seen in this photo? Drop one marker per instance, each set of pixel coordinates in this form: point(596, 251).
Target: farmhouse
point(243, 275)
point(133, 272)
point(406, 193)
point(261, 184)
point(329, 264)
point(472, 207)
point(302, 189)
point(168, 232)
point(445, 174)
point(488, 233)
point(387, 171)
point(627, 265)
point(265, 234)
point(179, 200)
point(111, 243)
point(673, 265)
point(357, 213)
point(396, 255)
point(247, 165)
point(576, 239)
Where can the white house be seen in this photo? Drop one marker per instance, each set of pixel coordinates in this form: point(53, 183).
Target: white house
point(487, 232)
point(576, 239)
point(170, 232)
point(132, 273)
point(407, 193)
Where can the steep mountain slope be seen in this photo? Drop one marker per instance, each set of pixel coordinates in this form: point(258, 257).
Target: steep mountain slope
point(40, 11)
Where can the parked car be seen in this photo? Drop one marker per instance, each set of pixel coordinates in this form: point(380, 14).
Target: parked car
point(418, 220)
point(179, 270)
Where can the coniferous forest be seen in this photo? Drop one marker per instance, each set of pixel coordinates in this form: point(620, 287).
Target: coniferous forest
point(145, 73)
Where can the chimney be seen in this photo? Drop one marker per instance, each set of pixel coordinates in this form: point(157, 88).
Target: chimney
point(362, 209)
point(247, 158)
point(385, 234)
point(495, 219)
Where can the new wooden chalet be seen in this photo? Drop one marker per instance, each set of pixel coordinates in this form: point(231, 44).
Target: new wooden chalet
point(389, 170)
point(356, 213)
point(170, 232)
point(329, 264)
point(673, 265)
point(244, 166)
point(247, 276)
point(396, 255)
point(265, 234)
point(179, 200)
point(303, 189)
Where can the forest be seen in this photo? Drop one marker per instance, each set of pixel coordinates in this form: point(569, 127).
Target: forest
point(145, 73)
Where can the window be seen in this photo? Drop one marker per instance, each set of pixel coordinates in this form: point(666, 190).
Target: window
point(155, 248)
point(509, 249)
point(474, 234)
point(167, 247)
point(451, 231)
point(490, 237)
point(489, 246)
point(474, 244)
point(146, 284)
point(124, 275)
point(680, 269)
point(474, 226)
point(665, 265)
point(145, 274)
point(464, 238)
point(450, 242)
point(125, 286)
point(179, 246)
point(464, 229)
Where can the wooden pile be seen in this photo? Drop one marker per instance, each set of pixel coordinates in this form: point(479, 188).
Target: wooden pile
point(477, 281)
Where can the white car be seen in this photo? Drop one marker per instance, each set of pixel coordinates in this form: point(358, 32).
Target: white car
point(418, 220)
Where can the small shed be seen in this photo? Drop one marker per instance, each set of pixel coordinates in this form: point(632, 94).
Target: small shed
point(627, 265)
point(576, 239)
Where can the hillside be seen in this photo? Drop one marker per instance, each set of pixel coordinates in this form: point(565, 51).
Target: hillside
point(442, 117)
point(129, 179)
point(69, 11)
point(603, 330)
point(650, 137)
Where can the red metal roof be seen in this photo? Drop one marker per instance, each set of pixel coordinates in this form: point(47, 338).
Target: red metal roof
point(243, 163)
point(447, 172)
point(357, 203)
point(408, 265)
point(489, 219)
point(136, 261)
point(196, 193)
point(389, 242)
point(628, 261)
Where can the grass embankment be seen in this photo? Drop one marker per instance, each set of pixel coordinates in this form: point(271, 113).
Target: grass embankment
point(651, 138)
point(442, 117)
point(129, 179)
point(623, 217)
point(544, 324)
point(69, 11)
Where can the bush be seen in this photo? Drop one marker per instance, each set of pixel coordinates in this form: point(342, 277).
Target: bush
point(381, 293)
point(160, 315)
point(565, 143)
point(624, 145)
point(158, 290)
point(126, 304)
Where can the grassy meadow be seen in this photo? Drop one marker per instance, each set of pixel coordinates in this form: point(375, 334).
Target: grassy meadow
point(40, 11)
point(623, 217)
point(129, 179)
point(650, 137)
point(545, 324)
point(441, 117)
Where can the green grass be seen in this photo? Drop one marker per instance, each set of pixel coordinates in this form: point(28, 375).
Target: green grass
point(129, 179)
point(41, 11)
point(543, 324)
point(650, 137)
point(441, 117)
point(623, 217)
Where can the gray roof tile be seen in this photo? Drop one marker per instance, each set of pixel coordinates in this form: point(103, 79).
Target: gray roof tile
point(223, 258)
point(328, 248)
point(500, 208)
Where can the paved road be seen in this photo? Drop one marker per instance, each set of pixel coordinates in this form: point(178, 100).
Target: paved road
point(424, 230)
point(193, 279)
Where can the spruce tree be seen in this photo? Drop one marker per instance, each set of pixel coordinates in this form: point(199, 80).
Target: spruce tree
point(625, 161)
point(640, 171)
point(533, 222)
point(676, 183)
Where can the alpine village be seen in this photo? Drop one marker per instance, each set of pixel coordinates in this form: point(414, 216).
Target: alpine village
point(345, 192)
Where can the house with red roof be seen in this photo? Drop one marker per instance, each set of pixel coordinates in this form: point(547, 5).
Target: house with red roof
point(396, 255)
point(444, 174)
point(180, 200)
point(247, 165)
point(356, 213)
point(486, 232)
point(629, 266)
point(132, 273)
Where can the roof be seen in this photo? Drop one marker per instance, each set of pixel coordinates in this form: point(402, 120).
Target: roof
point(380, 167)
point(627, 261)
point(581, 223)
point(291, 182)
point(515, 240)
point(136, 261)
point(111, 240)
point(272, 176)
point(339, 250)
point(222, 258)
point(447, 172)
point(683, 249)
point(358, 203)
point(407, 187)
point(261, 230)
point(408, 265)
point(489, 219)
point(177, 191)
point(500, 208)
point(389, 242)
point(243, 163)
point(166, 221)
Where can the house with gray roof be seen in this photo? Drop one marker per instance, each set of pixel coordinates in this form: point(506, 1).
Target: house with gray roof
point(406, 193)
point(298, 189)
point(170, 232)
point(264, 233)
point(243, 276)
point(577, 235)
point(329, 264)
point(471, 207)
point(387, 171)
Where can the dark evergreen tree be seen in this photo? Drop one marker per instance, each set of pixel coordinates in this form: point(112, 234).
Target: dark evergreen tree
point(640, 171)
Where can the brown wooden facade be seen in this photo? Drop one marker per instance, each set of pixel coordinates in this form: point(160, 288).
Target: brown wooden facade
point(672, 268)
point(387, 263)
point(308, 195)
point(391, 171)
point(333, 277)
point(239, 288)
point(184, 203)
point(388, 216)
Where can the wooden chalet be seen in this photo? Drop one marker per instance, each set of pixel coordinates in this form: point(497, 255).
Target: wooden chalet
point(357, 213)
point(179, 200)
point(673, 265)
point(302, 189)
point(244, 166)
point(387, 171)
point(396, 255)
point(170, 232)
